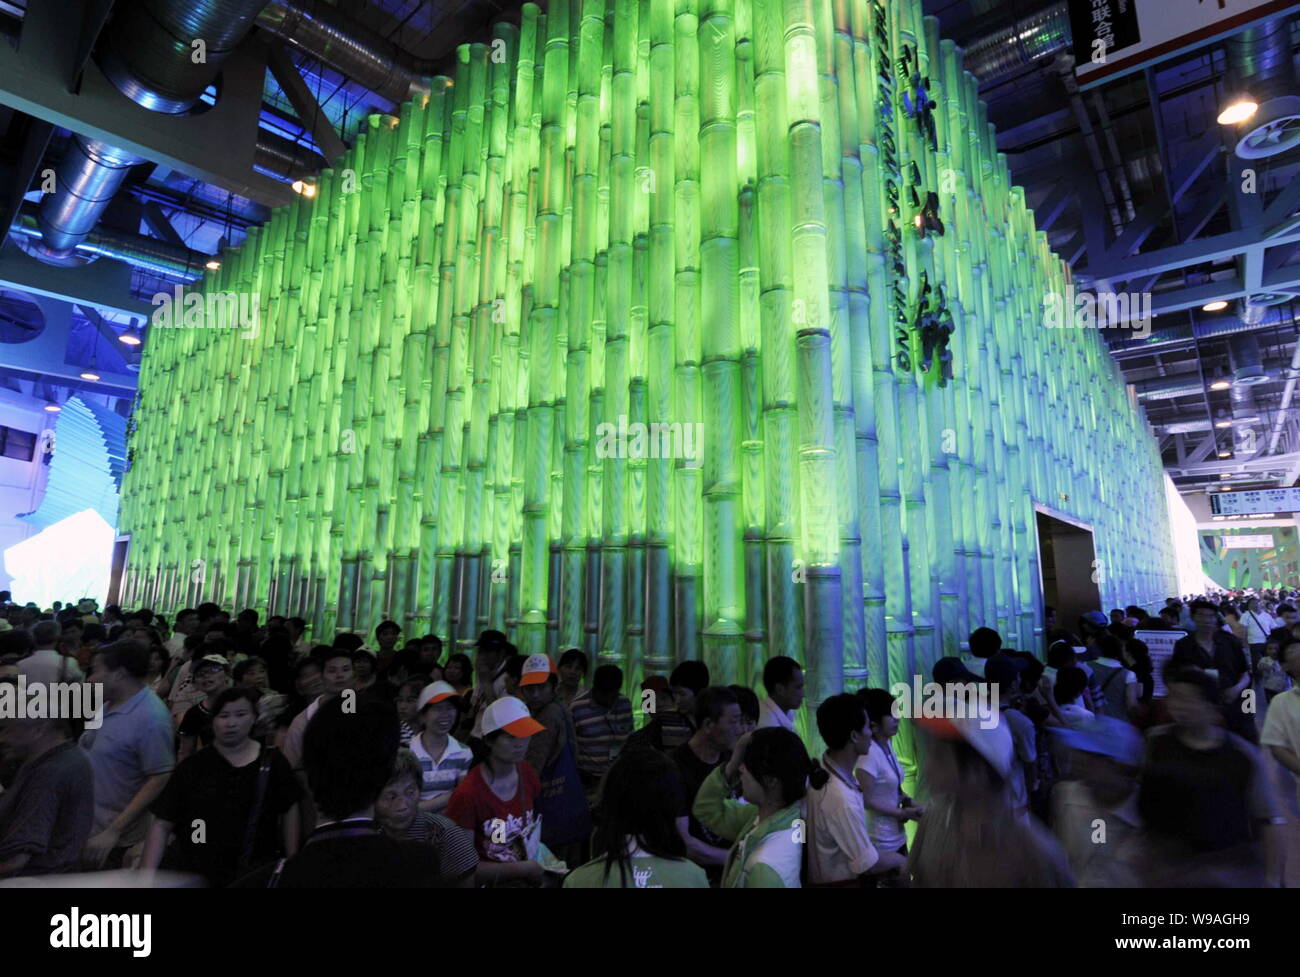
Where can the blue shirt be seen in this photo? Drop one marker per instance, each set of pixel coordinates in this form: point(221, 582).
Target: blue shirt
point(135, 742)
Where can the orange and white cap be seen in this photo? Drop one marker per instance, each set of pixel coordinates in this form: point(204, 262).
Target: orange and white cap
point(436, 692)
point(536, 670)
point(511, 715)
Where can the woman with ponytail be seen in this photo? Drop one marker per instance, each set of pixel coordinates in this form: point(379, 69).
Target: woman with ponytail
point(641, 797)
point(772, 768)
point(840, 852)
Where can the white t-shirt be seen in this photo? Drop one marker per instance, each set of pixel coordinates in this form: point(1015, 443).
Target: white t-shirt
point(1258, 625)
point(840, 847)
point(770, 714)
point(885, 776)
point(1074, 714)
point(48, 667)
point(1282, 724)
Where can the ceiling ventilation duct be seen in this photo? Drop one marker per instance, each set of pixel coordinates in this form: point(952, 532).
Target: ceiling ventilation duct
point(1033, 39)
point(1246, 360)
point(148, 52)
point(1259, 61)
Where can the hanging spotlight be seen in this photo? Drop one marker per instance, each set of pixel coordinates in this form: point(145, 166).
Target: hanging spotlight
point(304, 188)
point(89, 374)
point(52, 408)
point(1237, 111)
point(131, 337)
point(1218, 306)
point(213, 265)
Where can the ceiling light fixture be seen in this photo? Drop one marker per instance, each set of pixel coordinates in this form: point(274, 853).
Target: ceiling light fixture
point(1237, 111)
point(131, 337)
point(1217, 306)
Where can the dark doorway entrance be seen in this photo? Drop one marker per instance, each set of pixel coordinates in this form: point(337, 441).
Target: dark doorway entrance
point(1067, 562)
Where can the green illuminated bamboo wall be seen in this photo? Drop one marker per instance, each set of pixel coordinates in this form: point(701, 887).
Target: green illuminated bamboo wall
point(647, 211)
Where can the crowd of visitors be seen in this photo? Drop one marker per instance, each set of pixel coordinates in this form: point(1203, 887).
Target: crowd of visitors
point(238, 752)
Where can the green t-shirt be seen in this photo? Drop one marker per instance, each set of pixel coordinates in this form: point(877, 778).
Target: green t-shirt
point(648, 872)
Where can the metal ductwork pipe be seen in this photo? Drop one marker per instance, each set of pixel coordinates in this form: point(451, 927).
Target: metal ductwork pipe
point(349, 47)
point(1030, 40)
point(1167, 388)
point(146, 51)
point(1260, 57)
point(1251, 315)
point(285, 159)
point(1170, 338)
point(159, 257)
point(1246, 360)
point(87, 179)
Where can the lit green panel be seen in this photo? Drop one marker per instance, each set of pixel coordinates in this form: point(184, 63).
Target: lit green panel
point(596, 344)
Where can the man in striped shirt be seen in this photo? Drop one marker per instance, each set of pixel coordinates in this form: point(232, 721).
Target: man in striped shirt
point(602, 722)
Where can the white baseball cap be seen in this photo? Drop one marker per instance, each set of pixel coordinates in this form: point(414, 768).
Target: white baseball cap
point(537, 669)
point(511, 715)
point(436, 692)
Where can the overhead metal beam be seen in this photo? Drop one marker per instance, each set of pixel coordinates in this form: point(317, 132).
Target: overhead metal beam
point(36, 138)
point(46, 355)
point(215, 146)
point(160, 225)
point(104, 284)
point(108, 332)
point(304, 104)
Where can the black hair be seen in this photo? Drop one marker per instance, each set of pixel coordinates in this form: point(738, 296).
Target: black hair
point(1070, 683)
point(878, 703)
point(1187, 675)
point(779, 753)
point(93, 633)
point(607, 678)
point(1202, 605)
point(348, 756)
point(779, 671)
point(348, 641)
point(984, 642)
point(710, 704)
point(415, 682)
point(514, 667)
point(206, 610)
point(466, 666)
point(1134, 611)
point(838, 718)
point(747, 699)
point(1060, 654)
point(305, 663)
point(131, 655)
point(575, 655)
point(690, 674)
point(329, 654)
point(641, 797)
point(234, 693)
point(244, 667)
point(388, 626)
point(297, 622)
point(1107, 645)
point(46, 632)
